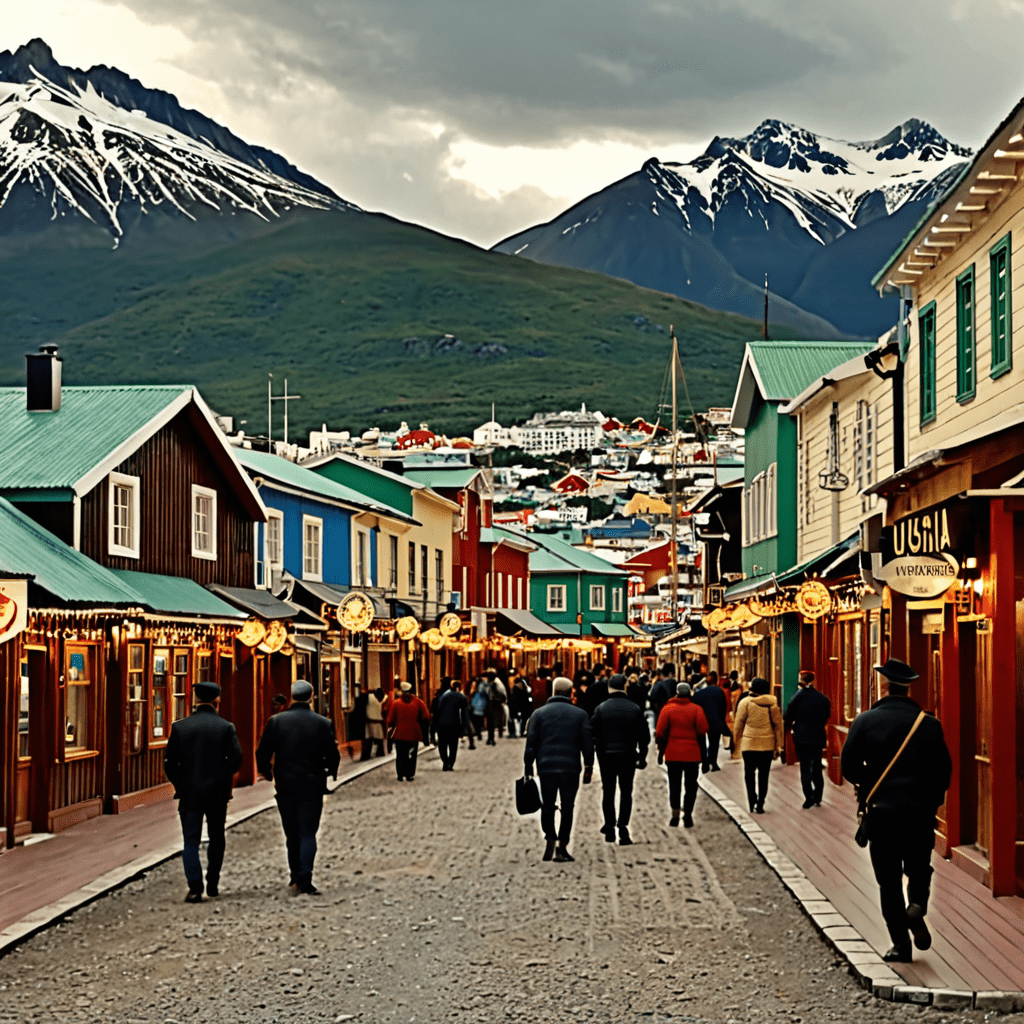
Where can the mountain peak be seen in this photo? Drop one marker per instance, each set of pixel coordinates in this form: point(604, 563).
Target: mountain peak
point(916, 137)
point(35, 55)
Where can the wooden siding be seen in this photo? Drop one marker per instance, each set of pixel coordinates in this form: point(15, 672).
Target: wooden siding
point(939, 285)
point(815, 527)
point(168, 464)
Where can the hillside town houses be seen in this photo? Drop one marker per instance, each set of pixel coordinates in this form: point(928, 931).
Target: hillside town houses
point(859, 500)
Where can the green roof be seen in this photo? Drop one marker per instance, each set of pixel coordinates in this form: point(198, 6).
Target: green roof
point(316, 484)
point(175, 595)
point(58, 449)
point(26, 549)
point(785, 368)
point(439, 478)
point(555, 555)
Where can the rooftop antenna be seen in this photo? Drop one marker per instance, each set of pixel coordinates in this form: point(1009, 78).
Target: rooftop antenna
point(271, 398)
point(764, 326)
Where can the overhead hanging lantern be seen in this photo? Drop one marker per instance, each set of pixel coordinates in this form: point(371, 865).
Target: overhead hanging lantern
point(252, 632)
point(813, 600)
point(407, 627)
point(355, 612)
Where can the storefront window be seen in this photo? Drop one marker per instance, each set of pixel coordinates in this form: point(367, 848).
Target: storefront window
point(875, 654)
point(853, 667)
point(159, 726)
point(136, 696)
point(78, 695)
point(179, 700)
point(23, 749)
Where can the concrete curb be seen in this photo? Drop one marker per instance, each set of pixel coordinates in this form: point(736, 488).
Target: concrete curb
point(40, 919)
point(864, 962)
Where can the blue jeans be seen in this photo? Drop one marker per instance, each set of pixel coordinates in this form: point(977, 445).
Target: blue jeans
point(192, 833)
point(300, 817)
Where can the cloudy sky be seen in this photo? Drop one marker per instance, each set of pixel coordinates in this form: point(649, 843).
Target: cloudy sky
point(481, 117)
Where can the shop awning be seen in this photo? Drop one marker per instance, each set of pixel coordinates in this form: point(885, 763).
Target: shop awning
point(821, 565)
point(510, 621)
point(612, 629)
point(176, 595)
point(747, 588)
point(333, 594)
point(260, 603)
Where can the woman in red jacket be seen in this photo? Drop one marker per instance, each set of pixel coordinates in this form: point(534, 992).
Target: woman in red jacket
point(680, 736)
point(407, 723)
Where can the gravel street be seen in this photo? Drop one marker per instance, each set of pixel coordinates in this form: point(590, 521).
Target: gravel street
point(436, 906)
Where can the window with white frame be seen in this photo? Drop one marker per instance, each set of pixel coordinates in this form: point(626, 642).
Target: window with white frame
point(393, 561)
point(312, 548)
point(617, 599)
point(498, 589)
point(760, 507)
point(204, 523)
point(362, 573)
point(123, 515)
point(438, 574)
point(556, 597)
point(865, 455)
point(272, 548)
point(597, 597)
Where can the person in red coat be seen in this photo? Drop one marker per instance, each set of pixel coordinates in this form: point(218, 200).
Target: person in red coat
point(680, 736)
point(407, 723)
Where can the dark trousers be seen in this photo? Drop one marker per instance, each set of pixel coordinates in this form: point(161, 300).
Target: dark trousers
point(617, 770)
point(478, 724)
point(714, 738)
point(756, 764)
point(677, 770)
point(560, 788)
point(518, 719)
point(495, 720)
point(901, 847)
point(405, 758)
point(812, 778)
point(192, 833)
point(300, 818)
point(448, 746)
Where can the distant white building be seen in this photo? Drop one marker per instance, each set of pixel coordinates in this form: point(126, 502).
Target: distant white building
point(492, 434)
point(553, 432)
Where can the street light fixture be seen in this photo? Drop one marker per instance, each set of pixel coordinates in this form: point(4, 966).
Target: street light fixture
point(886, 363)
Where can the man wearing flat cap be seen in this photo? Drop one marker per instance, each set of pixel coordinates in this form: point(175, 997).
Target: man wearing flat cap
point(901, 814)
point(298, 751)
point(201, 756)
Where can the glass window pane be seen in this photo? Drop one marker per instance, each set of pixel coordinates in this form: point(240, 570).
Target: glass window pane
point(159, 724)
point(23, 713)
point(78, 695)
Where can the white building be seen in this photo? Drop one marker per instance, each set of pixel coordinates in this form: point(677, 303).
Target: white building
point(553, 432)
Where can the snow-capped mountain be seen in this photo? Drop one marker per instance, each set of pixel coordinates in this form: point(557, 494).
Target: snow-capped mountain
point(818, 215)
point(98, 146)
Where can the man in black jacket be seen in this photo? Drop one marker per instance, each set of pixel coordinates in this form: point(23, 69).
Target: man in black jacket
point(901, 815)
point(298, 751)
point(451, 720)
point(201, 756)
point(807, 715)
point(621, 739)
point(711, 699)
point(557, 735)
point(663, 690)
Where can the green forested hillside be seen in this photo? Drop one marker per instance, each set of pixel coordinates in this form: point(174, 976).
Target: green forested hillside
point(373, 321)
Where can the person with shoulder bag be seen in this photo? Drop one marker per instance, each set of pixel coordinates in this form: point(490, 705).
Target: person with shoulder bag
point(896, 756)
point(758, 735)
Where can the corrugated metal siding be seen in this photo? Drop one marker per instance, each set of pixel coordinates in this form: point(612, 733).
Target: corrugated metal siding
point(787, 367)
point(168, 464)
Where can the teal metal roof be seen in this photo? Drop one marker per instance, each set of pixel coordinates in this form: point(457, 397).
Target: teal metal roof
point(57, 449)
point(26, 549)
point(554, 555)
point(175, 595)
point(437, 479)
point(785, 368)
point(315, 484)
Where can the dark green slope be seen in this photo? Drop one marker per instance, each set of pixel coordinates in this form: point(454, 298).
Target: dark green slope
point(354, 310)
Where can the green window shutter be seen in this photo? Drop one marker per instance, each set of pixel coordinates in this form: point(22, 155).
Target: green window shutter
point(999, 272)
point(965, 362)
point(926, 329)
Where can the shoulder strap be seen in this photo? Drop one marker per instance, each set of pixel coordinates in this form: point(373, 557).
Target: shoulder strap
point(903, 746)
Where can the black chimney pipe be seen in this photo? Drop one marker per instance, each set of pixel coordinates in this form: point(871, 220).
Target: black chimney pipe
point(43, 379)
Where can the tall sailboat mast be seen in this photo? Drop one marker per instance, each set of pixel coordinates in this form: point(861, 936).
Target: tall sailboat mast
point(674, 605)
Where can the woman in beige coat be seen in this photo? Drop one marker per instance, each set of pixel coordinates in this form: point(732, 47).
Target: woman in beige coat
point(757, 732)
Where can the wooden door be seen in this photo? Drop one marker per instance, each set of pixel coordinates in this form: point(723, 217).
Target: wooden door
point(983, 734)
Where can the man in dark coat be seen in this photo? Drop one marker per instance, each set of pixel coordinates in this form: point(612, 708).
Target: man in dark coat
point(901, 815)
point(557, 736)
point(298, 751)
point(663, 690)
point(621, 738)
point(712, 701)
point(807, 715)
point(201, 756)
point(451, 721)
point(592, 694)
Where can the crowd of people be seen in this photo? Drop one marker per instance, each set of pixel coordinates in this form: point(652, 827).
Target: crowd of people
point(601, 715)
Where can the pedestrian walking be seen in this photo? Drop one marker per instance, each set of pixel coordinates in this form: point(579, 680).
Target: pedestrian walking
point(663, 690)
point(408, 721)
point(445, 682)
point(712, 701)
point(375, 704)
point(541, 689)
point(519, 706)
point(592, 694)
point(478, 708)
point(557, 737)
point(636, 690)
point(758, 736)
point(201, 756)
point(497, 698)
point(621, 740)
point(298, 751)
point(680, 734)
point(911, 783)
point(807, 715)
point(450, 723)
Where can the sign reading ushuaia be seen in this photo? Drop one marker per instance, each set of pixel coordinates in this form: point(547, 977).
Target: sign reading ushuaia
point(915, 555)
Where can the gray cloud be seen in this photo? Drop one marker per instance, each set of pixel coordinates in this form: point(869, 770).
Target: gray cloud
point(348, 88)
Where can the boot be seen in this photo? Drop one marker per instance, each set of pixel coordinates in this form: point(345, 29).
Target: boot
point(624, 839)
point(674, 820)
point(687, 820)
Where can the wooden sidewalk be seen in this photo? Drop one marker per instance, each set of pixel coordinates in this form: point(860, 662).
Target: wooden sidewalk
point(978, 942)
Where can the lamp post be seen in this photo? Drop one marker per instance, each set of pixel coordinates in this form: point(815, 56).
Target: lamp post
point(885, 363)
